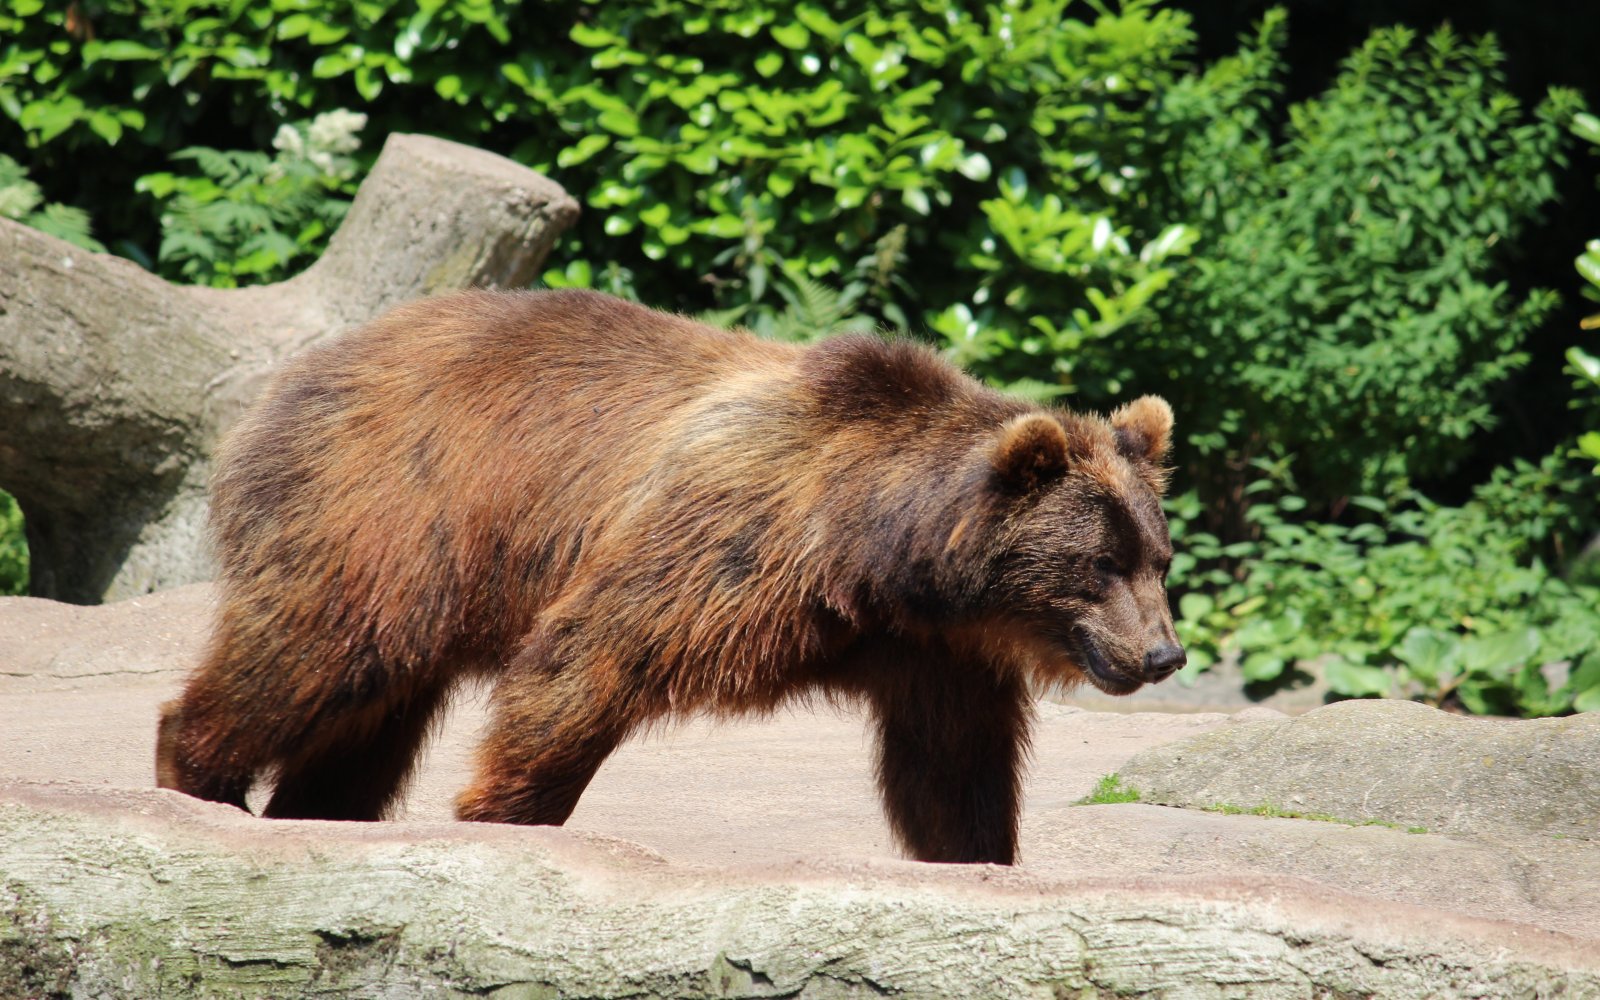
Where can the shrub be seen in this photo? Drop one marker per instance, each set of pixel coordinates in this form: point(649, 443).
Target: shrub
point(1456, 604)
point(13, 548)
point(1583, 366)
point(739, 149)
point(723, 150)
point(251, 217)
point(1343, 307)
point(144, 79)
point(22, 201)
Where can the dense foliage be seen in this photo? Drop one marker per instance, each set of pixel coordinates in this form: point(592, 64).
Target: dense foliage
point(1056, 192)
point(1347, 307)
point(723, 150)
point(1584, 366)
point(13, 549)
point(250, 216)
point(22, 200)
point(1460, 604)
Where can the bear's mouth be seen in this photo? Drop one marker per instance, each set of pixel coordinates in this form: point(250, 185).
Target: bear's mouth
point(1098, 669)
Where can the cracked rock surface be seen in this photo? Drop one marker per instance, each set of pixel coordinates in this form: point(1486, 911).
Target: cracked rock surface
point(750, 859)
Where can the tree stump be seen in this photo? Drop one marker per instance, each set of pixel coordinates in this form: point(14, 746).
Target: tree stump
point(115, 386)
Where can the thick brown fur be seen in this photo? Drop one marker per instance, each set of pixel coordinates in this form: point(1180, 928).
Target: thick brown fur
point(622, 516)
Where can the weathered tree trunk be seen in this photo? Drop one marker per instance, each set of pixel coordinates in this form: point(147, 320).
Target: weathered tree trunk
point(115, 385)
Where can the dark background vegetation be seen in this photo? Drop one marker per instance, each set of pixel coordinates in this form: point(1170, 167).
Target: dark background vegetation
point(1339, 236)
point(1546, 42)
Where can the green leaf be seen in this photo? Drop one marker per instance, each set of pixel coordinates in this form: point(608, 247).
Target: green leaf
point(1194, 606)
point(1589, 444)
point(700, 160)
point(591, 37)
point(368, 83)
point(1588, 701)
point(1584, 365)
point(106, 127)
point(769, 63)
point(1588, 265)
point(619, 121)
point(120, 50)
point(725, 227)
point(1261, 666)
point(1355, 680)
point(817, 20)
point(406, 42)
point(159, 185)
point(338, 63)
point(1586, 126)
point(52, 118)
point(974, 167)
point(791, 36)
point(1499, 654)
point(1431, 656)
point(582, 150)
point(1174, 240)
point(781, 182)
point(656, 215)
point(295, 25)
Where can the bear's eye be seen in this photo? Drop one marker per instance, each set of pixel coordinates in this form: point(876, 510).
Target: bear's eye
point(1107, 566)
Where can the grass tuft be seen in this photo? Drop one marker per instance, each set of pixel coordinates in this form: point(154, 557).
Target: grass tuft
point(1109, 791)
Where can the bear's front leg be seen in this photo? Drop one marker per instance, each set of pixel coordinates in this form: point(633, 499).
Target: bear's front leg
point(953, 738)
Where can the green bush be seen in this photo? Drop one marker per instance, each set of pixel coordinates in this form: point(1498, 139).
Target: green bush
point(21, 200)
point(1344, 306)
point(1583, 366)
point(1041, 171)
point(250, 217)
point(723, 150)
point(13, 548)
point(145, 79)
point(729, 153)
point(1456, 604)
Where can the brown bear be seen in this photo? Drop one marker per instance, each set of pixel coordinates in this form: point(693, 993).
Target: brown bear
point(621, 515)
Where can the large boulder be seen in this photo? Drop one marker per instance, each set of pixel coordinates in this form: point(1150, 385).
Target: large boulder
point(1396, 762)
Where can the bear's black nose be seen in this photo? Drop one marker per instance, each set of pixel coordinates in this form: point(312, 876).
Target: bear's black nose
point(1161, 662)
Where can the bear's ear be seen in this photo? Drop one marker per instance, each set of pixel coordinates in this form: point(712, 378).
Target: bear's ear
point(1144, 430)
point(1032, 449)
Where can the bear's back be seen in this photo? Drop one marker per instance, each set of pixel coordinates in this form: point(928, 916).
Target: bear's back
point(448, 463)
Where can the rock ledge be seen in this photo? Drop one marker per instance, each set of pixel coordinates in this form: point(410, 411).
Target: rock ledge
point(147, 893)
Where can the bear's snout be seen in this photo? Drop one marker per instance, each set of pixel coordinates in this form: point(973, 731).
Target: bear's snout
point(1163, 661)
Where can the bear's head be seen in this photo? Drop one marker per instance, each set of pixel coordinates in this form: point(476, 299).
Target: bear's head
point(1082, 547)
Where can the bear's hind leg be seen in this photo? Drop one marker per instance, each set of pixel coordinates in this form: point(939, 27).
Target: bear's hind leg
point(952, 741)
point(550, 733)
point(358, 773)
